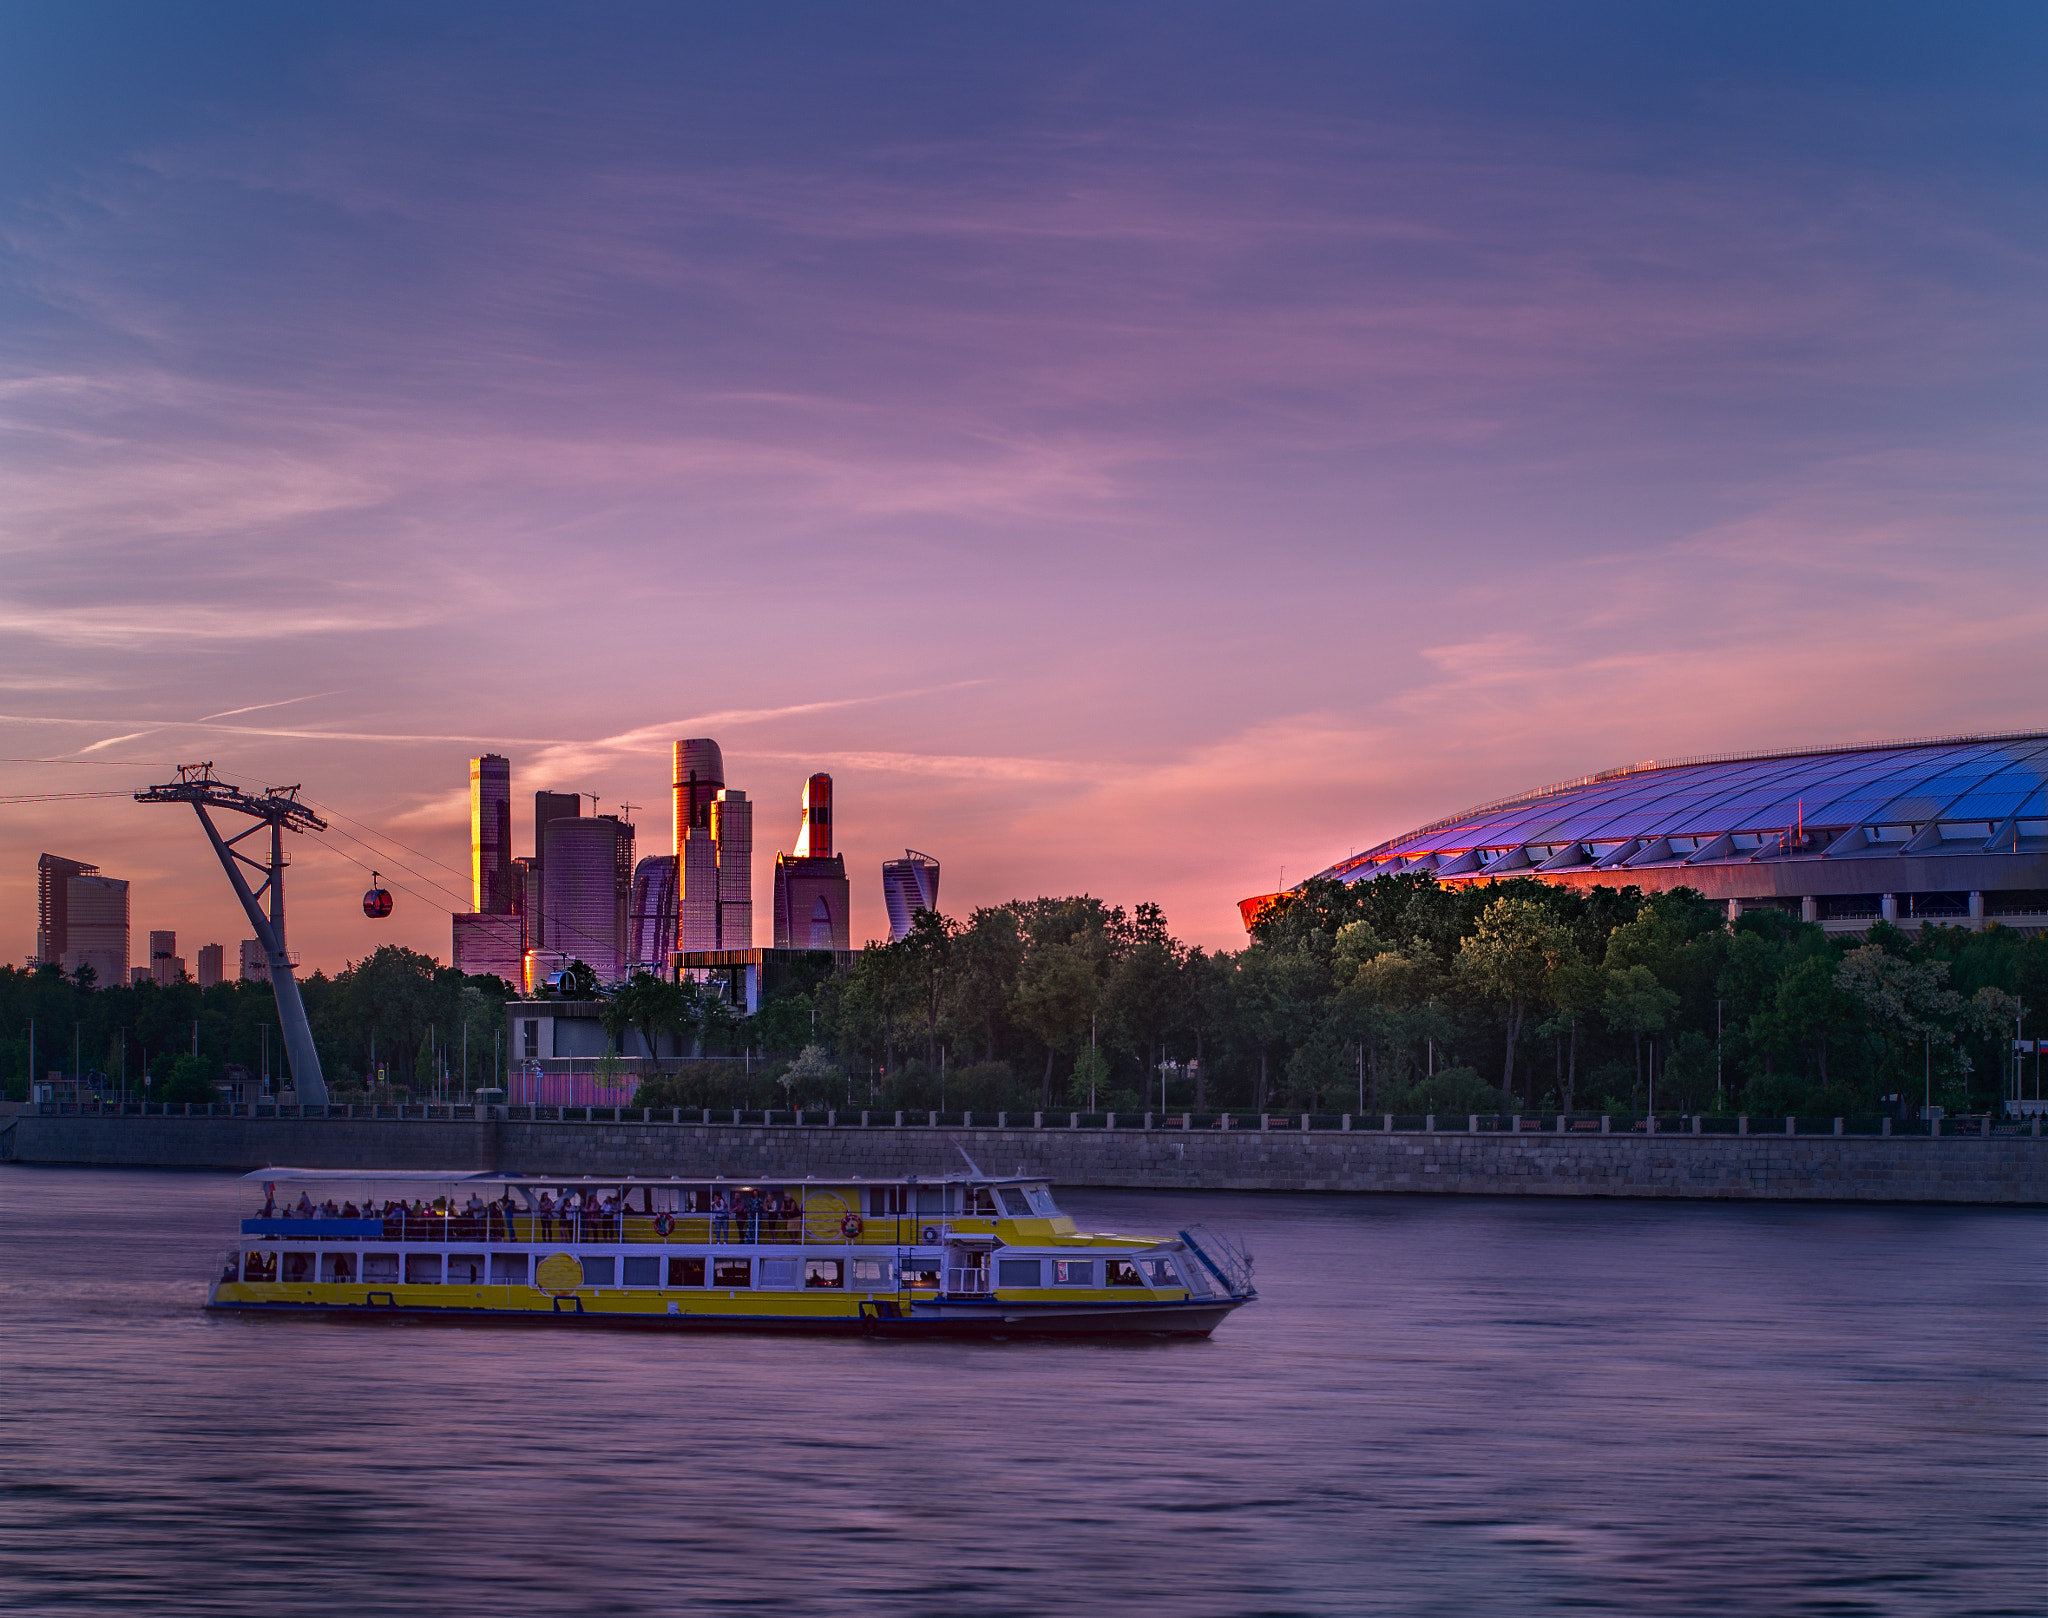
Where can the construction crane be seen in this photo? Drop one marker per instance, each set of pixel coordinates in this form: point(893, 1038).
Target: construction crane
point(278, 808)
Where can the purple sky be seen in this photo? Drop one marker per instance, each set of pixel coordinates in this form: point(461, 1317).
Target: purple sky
point(1134, 449)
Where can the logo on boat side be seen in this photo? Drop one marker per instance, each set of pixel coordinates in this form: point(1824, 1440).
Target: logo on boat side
point(558, 1275)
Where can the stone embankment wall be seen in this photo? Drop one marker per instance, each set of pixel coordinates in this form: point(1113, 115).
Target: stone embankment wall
point(1968, 1169)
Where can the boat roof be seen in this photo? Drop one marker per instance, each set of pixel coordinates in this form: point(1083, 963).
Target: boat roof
point(483, 1177)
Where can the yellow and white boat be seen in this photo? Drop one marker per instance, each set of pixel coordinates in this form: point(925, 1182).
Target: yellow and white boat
point(949, 1255)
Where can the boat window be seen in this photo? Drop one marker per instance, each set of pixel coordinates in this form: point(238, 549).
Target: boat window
point(686, 1272)
point(921, 1272)
point(932, 1199)
point(380, 1266)
point(1015, 1203)
point(260, 1267)
point(465, 1267)
point(1073, 1272)
point(642, 1272)
point(778, 1272)
point(1041, 1200)
point(824, 1272)
point(337, 1266)
point(1017, 1272)
point(980, 1200)
point(597, 1269)
point(732, 1272)
point(1160, 1271)
point(509, 1269)
point(298, 1266)
point(886, 1199)
point(422, 1269)
point(1120, 1272)
point(872, 1273)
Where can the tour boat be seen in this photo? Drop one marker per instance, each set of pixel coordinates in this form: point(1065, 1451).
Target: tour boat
point(946, 1255)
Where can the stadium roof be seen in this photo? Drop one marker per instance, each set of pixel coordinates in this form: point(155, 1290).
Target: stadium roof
point(1981, 794)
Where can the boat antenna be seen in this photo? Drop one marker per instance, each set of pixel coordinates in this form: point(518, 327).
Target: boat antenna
point(976, 1167)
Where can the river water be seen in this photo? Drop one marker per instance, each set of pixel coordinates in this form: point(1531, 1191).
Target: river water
point(1437, 1406)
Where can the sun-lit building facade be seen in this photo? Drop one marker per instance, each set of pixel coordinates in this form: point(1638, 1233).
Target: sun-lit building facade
point(1952, 831)
point(490, 836)
point(813, 900)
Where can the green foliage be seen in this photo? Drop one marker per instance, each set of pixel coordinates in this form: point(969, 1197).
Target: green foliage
point(191, 1078)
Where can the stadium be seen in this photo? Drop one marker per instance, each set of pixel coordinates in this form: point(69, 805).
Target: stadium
point(1949, 832)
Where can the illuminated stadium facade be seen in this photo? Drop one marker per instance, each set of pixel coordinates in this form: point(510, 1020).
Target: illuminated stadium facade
point(1942, 832)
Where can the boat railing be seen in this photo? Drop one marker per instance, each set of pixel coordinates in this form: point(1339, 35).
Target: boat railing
point(817, 1227)
point(1228, 1260)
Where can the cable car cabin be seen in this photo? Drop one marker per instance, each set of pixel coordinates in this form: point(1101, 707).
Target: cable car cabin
point(947, 1255)
point(377, 902)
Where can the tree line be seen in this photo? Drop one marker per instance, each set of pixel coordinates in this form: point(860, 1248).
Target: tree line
point(1408, 996)
point(1396, 995)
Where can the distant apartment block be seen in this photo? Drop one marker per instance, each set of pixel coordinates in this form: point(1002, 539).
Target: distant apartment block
point(81, 919)
point(210, 964)
point(255, 964)
point(166, 965)
point(909, 885)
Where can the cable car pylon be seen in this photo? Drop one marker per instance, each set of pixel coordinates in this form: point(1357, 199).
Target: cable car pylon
point(278, 808)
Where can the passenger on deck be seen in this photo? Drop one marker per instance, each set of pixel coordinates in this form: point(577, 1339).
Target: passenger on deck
point(305, 1208)
point(544, 1217)
point(328, 1210)
point(721, 1217)
point(348, 1211)
point(792, 1212)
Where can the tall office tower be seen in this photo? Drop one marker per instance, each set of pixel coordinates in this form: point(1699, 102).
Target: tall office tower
point(732, 829)
point(81, 919)
point(166, 965)
point(547, 807)
point(586, 914)
point(210, 964)
point(526, 899)
point(622, 888)
point(490, 836)
point(909, 885)
point(812, 898)
point(699, 776)
point(651, 928)
point(488, 946)
point(814, 836)
point(255, 964)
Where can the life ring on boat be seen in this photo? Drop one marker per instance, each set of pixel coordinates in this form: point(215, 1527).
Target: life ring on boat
point(850, 1227)
point(664, 1223)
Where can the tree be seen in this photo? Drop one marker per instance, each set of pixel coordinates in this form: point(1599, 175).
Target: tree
point(988, 954)
point(1143, 994)
point(1633, 999)
point(1511, 959)
point(1056, 997)
point(927, 964)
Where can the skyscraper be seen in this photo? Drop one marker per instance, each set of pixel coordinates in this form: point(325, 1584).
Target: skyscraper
point(547, 807)
point(651, 927)
point(210, 964)
point(586, 873)
point(255, 964)
point(699, 776)
point(909, 885)
point(812, 898)
point(732, 829)
point(490, 836)
point(488, 946)
point(81, 919)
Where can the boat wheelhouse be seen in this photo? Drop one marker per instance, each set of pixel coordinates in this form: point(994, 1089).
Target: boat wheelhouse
point(950, 1254)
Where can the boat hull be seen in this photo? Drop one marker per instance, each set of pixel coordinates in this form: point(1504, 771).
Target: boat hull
point(944, 1318)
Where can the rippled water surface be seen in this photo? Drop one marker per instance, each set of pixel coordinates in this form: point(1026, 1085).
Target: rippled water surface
point(1442, 1406)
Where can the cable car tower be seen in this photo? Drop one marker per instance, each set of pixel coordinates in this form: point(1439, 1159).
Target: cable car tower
point(278, 808)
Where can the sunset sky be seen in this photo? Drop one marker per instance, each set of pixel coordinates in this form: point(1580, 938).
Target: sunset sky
point(1135, 449)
